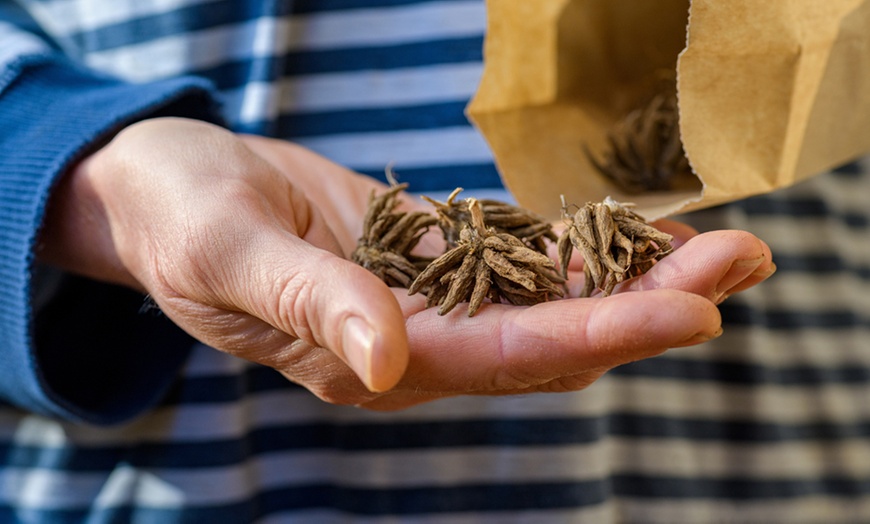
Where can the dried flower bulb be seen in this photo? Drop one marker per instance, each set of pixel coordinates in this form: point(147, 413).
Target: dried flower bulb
point(616, 244)
point(645, 152)
point(486, 263)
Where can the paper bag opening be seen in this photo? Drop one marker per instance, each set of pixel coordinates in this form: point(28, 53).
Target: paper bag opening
point(768, 93)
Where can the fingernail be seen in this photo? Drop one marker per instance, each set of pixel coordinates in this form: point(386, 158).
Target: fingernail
point(759, 275)
point(766, 272)
point(699, 338)
point(739, 270)
point(358, 339)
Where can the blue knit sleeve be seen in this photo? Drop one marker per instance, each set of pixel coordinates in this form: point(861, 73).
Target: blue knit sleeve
point(89, 353)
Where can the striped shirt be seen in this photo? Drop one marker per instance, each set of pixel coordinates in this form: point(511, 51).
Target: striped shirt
point(769, 423)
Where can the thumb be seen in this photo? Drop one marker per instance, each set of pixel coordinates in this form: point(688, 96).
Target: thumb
point(329, 302)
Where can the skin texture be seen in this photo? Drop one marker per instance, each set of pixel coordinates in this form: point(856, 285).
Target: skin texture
point(242, 241)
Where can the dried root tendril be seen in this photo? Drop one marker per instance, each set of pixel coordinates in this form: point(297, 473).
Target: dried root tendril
point(616, 244)
point(532, 229)
point(389, 237)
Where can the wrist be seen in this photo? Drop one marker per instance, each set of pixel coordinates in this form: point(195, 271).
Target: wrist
point(76, 234)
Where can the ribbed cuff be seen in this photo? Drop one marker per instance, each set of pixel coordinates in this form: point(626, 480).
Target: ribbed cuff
point(91, 354)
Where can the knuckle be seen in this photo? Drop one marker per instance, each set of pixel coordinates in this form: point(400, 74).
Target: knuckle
point(512, 379)
point(345, 389)
point(511, 373)
point(294, 296)
point(323, 374)
point(570, 383)
point(343, 396)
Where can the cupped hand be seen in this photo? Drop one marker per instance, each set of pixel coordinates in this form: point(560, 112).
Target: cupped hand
point(557, 346)
point(243, 242)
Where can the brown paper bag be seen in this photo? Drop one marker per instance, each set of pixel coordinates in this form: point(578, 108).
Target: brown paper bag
point(769, 92)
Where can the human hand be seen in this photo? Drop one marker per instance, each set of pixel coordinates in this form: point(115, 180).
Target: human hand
point(227, 246)
point(558, 346)
point(242, 242)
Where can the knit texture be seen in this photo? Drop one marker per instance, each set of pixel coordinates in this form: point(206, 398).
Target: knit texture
point(54, 113)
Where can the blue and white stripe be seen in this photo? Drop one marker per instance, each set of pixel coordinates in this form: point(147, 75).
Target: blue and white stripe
point(769, 423)
point(363, 83)
point(14, 44)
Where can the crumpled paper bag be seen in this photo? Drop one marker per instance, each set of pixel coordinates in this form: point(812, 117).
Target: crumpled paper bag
point(769, 92)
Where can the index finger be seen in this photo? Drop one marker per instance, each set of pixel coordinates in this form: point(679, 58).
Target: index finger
point(509, 348)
